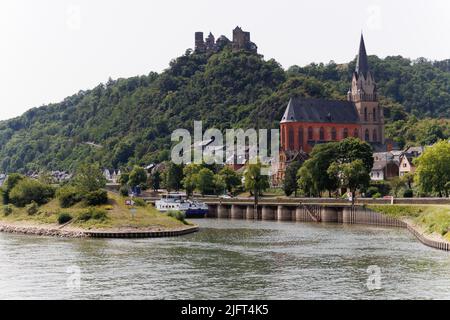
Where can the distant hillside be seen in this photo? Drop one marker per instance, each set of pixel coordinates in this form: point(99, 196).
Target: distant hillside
point(129, 121)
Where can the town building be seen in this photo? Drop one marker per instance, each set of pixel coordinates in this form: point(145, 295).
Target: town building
point(385, 165)
point(307, 121)
point(406, 160)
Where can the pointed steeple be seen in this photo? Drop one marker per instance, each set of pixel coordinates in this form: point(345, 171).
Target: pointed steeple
point(362, 66)
point(289, 114)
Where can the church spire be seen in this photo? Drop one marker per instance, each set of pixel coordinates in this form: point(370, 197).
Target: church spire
point(362, 66)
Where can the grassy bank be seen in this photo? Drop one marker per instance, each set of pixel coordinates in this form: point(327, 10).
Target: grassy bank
point(433, 218)
point(114, 215)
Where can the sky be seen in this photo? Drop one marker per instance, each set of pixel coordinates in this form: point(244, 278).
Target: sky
point(50, 49)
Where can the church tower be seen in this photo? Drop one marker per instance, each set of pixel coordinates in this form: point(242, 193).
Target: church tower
point(363, 94)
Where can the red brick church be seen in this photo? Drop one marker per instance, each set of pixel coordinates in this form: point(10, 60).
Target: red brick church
point(307, 122)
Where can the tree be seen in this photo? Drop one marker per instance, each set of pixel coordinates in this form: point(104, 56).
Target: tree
point(351, 149)
point(353, 175)
point(396, 184)
point(28, 190)
point(290, 184)
point(231, 178)
point(138, 176)
point(190, 179)
point(89, 177)
point(12, 180)
point(124, 178)
point(155, 180)
point(174, 176)
point(220, 185)
point(205, 181)
point(305, 179)
point(433, 169)
point(322, 156)
point(254, 181)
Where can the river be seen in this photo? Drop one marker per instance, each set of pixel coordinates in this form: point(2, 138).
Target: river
point(228, 259)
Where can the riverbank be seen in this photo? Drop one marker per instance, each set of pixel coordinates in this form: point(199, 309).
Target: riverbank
point(115, 219)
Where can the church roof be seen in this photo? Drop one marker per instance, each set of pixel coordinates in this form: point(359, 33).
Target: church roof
point(320, 110)
point(362, 65)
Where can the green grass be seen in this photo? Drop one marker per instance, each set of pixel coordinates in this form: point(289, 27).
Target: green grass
point(118, 215)
point(433, 218)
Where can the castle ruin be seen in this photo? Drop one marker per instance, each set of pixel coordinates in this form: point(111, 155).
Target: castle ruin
point(241, 42)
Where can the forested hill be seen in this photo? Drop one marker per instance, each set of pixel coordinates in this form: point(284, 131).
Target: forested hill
point(130, 120)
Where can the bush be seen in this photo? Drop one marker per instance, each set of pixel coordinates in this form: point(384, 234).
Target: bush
point(28, 190)
point(124, 191)
point(64, 218)
point(7, 209)
point(376, 195)
point(408, 193)
point(139, 202)
point(68, 196)
point(179, 215)
point(32, 208)
point(93, 213)
point(371, 191)
point(95, 198)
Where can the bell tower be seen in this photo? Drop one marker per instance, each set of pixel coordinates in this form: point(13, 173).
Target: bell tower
point(363, 93)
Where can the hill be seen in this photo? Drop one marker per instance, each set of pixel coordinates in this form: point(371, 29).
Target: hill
point(127, 121)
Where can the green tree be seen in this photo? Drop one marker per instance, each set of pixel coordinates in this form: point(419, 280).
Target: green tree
point(190, 173)
point(396, 184)
point(155, 180)
point(220, 185)
point(174, 176)
point(12, 180)
point(290, 184)
point(255, 181)
point(433, 169)
point(305, 179)
point(138, 176)
point(353, 175)
point(351, 149)
point(28, 190)
point(322, 156)
point(232, 179)
point(205, 181)
point(89, 177)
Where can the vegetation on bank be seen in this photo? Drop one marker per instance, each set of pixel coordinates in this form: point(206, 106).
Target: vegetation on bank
point(82, 202)
point(433, 218)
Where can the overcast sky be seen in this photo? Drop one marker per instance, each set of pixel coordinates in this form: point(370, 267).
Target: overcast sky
point(50, 49)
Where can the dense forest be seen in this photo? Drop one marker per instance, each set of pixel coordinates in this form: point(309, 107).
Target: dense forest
point(129, 121)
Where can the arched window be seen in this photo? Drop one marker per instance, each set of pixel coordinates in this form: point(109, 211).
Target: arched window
point(374, 135)
point(300, 137)
point(365, 114)
point(374, 114)
point(355, 133)
point(367, 135)
point(322, 134)
point(310, 133)
point(345, 134)
point(333, 134)
point(291, 139)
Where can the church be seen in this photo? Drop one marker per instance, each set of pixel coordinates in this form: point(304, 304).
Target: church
point(307, 122)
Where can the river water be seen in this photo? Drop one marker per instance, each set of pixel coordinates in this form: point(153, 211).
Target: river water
point(228, 259)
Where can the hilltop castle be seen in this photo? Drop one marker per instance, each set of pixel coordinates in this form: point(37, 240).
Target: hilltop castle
point(241, 42)
point(307, 122)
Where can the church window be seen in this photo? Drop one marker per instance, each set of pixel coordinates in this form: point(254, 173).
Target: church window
point(345, 134)
point(355, 133)
point(374, 114)
point(374, 135)
point(333, 134)
point(322, 134)
point(310, 133)
point(366, 135)
point(291, 138)
point(365, 114)
point(300, 137)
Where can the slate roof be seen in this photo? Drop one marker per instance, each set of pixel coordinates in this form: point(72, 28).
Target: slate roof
point(362, 65)
point(320, 110)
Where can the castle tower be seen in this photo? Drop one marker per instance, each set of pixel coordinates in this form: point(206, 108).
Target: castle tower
point(210, 43)
point(363, 93)
point(199, 42)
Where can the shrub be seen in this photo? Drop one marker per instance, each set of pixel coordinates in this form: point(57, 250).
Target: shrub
point(408, 193)
point(32, 208)
point(28, 190)
point(179, 215)
point(371, 191)
point(64, 218)
point(7, 209)
point(93, 213)
point(376, 195)
point(68, 196)
point(139, 202)
point(95, 198)
point(124, 191)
